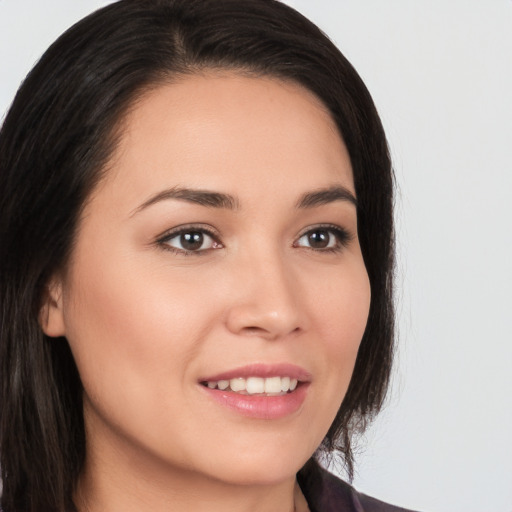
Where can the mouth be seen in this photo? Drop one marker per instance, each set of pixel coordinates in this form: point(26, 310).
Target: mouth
point(268, 386)
point(260, 391)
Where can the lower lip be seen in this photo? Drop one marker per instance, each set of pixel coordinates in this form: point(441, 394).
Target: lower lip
point(261, 407)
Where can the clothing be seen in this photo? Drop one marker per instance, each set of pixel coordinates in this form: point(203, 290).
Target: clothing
point(324, 492)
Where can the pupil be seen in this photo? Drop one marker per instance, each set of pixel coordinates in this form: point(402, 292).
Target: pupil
point(318, 239)
point(191, 241)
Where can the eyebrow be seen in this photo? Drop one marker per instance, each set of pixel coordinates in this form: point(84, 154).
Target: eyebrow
point(325, 196)
point(211, 199)
point(196, 196)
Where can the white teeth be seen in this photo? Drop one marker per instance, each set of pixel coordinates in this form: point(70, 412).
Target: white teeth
point(256, 385)
point(222, 384)
point(273, 385)
point(237, 384)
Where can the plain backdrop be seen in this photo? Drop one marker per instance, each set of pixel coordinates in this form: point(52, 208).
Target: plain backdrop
point(440, 72)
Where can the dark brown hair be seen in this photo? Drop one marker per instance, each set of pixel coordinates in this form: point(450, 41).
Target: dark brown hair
point(56, 139)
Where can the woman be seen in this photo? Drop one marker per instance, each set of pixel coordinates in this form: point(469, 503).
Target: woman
point(196, 258)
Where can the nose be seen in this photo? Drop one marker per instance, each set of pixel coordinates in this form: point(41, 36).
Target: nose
point(266, 300)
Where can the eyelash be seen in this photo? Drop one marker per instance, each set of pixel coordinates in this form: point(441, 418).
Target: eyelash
point(164, 240)
point(342, 236)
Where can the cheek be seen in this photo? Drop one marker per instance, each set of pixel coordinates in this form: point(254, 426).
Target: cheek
point(127, 327)
point(133, 336)
point(342, 309)
point(342, 313)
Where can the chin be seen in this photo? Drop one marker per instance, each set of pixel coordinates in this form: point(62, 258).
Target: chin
point(258, 467)
point(264, 475)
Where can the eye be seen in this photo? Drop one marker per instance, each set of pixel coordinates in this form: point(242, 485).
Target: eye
point(324, 238)
point(189, 240)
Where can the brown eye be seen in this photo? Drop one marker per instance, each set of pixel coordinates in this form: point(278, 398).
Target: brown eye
point(189, 241)
point(319, 239)
point(324, 238)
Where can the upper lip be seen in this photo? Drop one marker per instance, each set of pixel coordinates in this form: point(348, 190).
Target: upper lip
point(262, 370)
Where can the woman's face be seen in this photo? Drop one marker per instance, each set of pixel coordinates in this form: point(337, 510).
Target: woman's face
point(220, 250)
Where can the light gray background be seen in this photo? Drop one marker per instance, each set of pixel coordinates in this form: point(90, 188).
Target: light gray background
point(440, 72)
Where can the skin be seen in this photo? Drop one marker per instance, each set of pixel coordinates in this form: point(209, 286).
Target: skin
point(146, 320)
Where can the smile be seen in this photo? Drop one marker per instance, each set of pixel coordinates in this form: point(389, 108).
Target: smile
point(259, 391)
point(269, 386)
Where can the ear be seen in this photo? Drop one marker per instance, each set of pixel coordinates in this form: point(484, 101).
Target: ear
point(51, 314)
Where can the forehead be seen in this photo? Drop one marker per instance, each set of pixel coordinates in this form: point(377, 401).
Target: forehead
point(230, 131)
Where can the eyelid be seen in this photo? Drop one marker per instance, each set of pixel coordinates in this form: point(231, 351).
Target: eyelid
point(343, 235)
point(208, 230)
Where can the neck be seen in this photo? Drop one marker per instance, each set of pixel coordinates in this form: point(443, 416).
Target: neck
point(118, 480)
point(108, 499)
point(110, 495)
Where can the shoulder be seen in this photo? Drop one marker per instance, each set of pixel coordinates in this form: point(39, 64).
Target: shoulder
point(325, 492)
